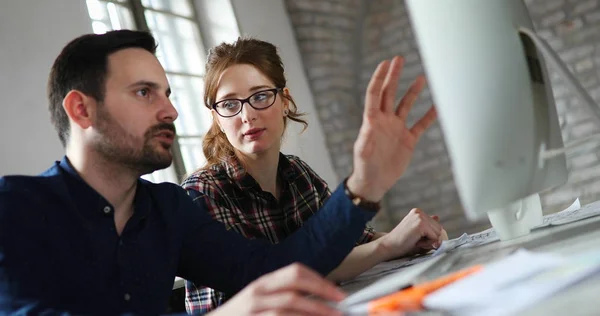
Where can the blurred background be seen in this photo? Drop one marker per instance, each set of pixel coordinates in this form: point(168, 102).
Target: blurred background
point(329, 47)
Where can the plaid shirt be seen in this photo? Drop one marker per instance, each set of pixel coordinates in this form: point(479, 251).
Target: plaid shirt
point(236, 199)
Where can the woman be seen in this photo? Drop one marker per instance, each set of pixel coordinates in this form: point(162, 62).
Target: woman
point(261, 193)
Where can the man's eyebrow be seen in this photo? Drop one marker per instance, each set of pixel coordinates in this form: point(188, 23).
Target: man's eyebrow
point(150, 84)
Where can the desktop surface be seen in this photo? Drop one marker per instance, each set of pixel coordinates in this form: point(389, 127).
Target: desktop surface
point(565, 240)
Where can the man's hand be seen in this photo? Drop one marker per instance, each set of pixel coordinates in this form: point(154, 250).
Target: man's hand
point(417, 232)
point(284, 292)
point(385, 144)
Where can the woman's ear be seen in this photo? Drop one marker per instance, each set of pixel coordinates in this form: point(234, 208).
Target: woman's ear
point(286, 101)
point(80, 108)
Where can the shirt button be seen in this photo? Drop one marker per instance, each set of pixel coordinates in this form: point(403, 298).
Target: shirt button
point(106, 209)
point(127, 296)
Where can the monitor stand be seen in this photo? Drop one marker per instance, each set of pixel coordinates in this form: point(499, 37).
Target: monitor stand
point(518, 218)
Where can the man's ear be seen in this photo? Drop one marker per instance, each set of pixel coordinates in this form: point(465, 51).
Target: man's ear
point(80, 108)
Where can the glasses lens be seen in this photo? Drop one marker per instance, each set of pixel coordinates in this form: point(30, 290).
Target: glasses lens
point(262, 99)
point(228, 107)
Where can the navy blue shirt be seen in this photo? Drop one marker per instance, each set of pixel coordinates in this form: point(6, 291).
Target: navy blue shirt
point(60, 252)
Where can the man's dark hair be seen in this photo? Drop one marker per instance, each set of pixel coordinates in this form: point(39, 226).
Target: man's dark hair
point(82, 65)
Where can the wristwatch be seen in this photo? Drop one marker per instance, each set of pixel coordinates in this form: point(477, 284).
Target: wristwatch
point(359, 201)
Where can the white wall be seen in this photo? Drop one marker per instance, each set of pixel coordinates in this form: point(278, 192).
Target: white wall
point(268, 20)
point(32, 33)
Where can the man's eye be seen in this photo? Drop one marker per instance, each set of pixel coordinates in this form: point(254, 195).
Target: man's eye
point(143, 92)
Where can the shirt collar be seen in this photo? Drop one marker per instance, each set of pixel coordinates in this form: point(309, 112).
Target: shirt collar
point(286, 170)
point(238, 174)
point(88, 199)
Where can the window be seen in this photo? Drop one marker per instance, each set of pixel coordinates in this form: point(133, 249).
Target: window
point(181, 51)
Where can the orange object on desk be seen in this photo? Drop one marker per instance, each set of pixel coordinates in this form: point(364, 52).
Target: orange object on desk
point(411, 299)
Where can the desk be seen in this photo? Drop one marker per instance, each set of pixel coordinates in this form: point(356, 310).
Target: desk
point(568, 239)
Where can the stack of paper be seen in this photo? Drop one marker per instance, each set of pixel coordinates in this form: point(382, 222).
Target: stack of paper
point(571, 214)
point(451, 244)
point(510, 285)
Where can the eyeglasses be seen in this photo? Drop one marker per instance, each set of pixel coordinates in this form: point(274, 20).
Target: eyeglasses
point(259, 101)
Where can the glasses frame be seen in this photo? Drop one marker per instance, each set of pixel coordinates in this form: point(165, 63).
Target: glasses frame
point(247, 100)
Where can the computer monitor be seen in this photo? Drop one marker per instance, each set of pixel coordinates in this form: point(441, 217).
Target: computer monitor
point(487, 73)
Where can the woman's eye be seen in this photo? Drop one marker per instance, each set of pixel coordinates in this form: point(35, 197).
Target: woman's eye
point(229, 105)
point(259, 97)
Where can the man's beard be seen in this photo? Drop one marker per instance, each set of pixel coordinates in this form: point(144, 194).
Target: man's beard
point(116, 145)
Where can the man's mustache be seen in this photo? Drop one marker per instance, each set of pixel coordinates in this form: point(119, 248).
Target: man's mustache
point(161, 127)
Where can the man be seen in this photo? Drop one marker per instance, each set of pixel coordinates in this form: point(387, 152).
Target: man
point(88, 236)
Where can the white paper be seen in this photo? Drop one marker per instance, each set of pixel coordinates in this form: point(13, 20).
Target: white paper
point(577, 214)
point(482, 238)
point(568, 214)
point(481, 288)
point(493, 297)
point(448, 245)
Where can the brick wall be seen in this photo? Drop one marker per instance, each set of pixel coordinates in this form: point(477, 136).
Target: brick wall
point(327, 32)
point(341, 43)
point(428, 183)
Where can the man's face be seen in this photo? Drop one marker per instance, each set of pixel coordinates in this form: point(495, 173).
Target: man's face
point(134, 124)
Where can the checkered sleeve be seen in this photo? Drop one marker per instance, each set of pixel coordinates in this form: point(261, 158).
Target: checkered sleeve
point(324, 193)
point(214, 188)
point(198, 298)
point(313, 178)
point(367, 235)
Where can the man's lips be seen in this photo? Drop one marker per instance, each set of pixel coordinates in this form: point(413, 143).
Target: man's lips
point(165, 134)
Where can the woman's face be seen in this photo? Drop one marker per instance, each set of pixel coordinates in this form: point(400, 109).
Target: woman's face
point(251, 131)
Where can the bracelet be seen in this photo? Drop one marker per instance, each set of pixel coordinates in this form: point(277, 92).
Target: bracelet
point(359, 201)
